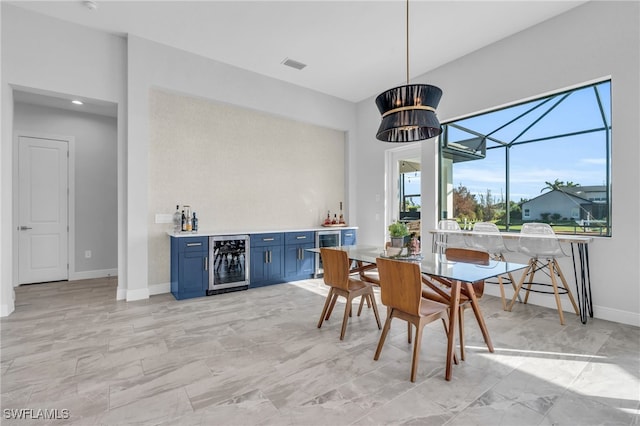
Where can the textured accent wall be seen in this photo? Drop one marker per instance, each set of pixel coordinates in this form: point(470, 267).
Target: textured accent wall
point(240, 170)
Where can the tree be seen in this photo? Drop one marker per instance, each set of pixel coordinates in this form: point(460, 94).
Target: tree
point(464, 203)
point(558, 184)
point(553, 186)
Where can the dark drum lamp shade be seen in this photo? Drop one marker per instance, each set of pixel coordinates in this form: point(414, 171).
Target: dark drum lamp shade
point(408, 113)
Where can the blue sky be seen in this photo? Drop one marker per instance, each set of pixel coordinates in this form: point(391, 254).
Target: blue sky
point(580, 159)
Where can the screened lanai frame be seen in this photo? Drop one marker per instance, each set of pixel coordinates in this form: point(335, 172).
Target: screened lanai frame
point(567, 116)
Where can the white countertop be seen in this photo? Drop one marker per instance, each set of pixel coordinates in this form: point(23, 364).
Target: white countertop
point(209, 233)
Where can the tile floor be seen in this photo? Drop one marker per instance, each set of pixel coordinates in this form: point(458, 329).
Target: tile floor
point(256, 358)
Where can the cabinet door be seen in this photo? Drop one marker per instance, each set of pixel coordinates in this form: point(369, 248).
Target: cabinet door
point(306, 264)
point(259, 264)
point(348, 237)
point(193, 279)
point(276, 263)
point(298, 262)
point(291, 255)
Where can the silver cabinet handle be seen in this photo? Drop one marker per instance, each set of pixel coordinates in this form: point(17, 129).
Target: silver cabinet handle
point(24, 228)
point(206, 263)
point(301, 237)
point(268, 239)
point(193, 244)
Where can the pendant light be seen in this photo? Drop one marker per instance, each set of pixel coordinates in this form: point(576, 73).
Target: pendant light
point(409, 112)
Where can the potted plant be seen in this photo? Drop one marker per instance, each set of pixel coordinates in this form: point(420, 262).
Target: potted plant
point(399, 234)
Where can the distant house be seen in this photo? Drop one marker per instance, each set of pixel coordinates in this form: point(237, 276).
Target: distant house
point(564, 203)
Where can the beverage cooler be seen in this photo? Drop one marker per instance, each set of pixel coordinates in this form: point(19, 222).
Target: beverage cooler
point(228, 263)
point(326, 239)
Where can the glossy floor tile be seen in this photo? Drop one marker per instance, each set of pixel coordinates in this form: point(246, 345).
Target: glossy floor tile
point(256, 357)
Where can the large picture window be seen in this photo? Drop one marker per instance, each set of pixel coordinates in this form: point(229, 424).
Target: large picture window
point(546, 160)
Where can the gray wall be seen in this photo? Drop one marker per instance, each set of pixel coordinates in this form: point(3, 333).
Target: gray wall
point(96, 206)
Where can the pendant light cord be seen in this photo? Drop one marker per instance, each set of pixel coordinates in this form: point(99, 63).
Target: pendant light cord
point(407, 42)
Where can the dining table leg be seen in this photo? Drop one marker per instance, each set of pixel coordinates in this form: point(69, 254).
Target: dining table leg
point(479, 316)
point(454, 306)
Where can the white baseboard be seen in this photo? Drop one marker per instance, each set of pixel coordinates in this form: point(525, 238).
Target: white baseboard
point(616, 315)
point(137, 294)
point(5, 309)
point(548, 301)
point(121, 293)
point(87, 275)
point(162, 288)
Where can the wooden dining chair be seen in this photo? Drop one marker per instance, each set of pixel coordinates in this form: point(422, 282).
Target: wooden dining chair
point(400, 289)
point(440, 293)
point(336, 275)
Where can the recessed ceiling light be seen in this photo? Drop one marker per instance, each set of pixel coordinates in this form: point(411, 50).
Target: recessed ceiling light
point(77, 102)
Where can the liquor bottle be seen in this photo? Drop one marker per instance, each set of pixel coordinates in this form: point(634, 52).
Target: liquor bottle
point(194, 223)
point(327, 221)
point(335, 219)
point(183, 225)
point(189, 224)
point(177, 220)
point(341, 220)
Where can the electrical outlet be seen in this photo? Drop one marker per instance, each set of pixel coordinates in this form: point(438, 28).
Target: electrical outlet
point(87, 254)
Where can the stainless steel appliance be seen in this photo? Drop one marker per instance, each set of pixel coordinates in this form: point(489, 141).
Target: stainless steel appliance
point(328, 238)
point(228, 263)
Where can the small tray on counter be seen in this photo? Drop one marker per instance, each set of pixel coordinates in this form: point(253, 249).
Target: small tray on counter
point(334, 225)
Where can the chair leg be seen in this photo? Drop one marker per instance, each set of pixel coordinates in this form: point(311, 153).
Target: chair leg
point(375, 310)
point(566, 286)
point(333, 304)
point(502, 296)
point(461, 329)
point(345, 319)
point(409, 332)
point(555, 291)
point(533, 263)
point(501, 258)
point(326, 306)
point(383, 336)
point(519, 286)
point(361, 304)
point(416, 350)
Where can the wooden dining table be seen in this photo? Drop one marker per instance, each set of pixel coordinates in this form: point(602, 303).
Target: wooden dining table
point(456, 274)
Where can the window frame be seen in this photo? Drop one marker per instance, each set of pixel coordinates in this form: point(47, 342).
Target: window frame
point(604, 126)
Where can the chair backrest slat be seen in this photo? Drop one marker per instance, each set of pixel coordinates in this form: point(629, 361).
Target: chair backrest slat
point(467, 255)
point(336, 267)
point(400, 285)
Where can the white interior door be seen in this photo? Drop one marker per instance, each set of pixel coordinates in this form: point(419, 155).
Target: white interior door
point(43, 200)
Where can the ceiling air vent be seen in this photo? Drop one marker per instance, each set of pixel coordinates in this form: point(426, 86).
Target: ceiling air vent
point(293, 64)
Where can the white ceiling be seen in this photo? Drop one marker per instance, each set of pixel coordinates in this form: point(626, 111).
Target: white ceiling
point(353, 49)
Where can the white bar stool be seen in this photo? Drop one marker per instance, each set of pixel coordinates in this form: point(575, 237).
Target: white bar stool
point(548, 248)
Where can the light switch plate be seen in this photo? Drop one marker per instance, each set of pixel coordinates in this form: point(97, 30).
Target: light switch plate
point(164, 218)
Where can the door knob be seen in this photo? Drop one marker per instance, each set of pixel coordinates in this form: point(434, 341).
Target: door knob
point(24, 228)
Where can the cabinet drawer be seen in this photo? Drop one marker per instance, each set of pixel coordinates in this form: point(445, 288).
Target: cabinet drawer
point(193, 244)
point(299, 237)
point(271, 239)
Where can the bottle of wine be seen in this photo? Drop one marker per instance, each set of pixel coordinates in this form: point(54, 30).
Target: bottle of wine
point(177, 220)
point(194, 223)
point(183, 226)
